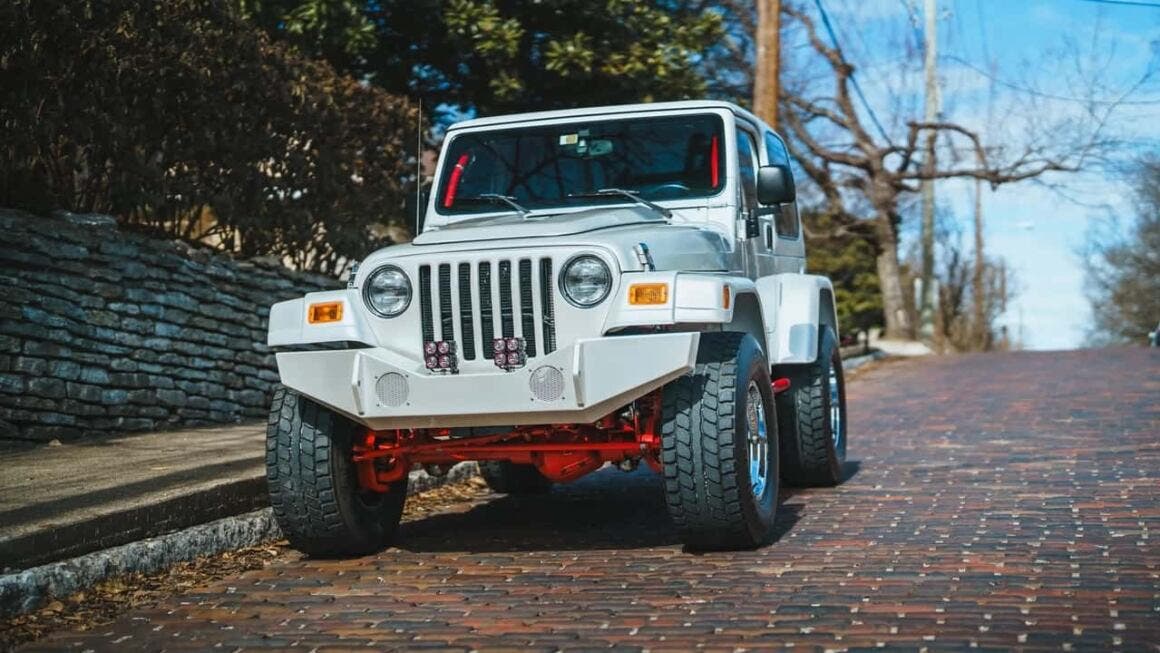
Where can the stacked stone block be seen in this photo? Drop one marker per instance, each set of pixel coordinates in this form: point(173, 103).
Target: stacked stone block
point(104, 331)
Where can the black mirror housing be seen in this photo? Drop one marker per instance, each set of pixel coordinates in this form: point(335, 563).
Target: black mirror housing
point(775, 185)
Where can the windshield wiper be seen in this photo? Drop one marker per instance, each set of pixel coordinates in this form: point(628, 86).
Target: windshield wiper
point(496, 198)
point(630, 194)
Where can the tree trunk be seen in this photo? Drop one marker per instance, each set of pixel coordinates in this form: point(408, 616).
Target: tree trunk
point(979, 326)
point(898, 323)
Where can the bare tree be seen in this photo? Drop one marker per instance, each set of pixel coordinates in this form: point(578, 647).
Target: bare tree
point(870, 173)
point(971, 296)
point(849, 162)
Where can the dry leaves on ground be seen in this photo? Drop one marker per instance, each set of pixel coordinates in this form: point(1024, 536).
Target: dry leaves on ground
point(111, 598)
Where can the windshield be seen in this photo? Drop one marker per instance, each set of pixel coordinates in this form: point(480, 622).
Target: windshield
point(552, 166)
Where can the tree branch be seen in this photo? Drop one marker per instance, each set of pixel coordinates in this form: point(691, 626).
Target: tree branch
point(842, 73)
point(795, 124)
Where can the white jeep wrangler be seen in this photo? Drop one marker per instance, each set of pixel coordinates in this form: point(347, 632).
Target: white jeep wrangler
point(604, 285)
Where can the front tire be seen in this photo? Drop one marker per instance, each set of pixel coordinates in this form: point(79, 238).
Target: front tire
point(313, 482)
point(719, 446)
point(813, 414)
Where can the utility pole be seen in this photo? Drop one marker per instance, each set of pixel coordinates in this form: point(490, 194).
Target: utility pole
point(766, 80)
point(930, 72)
point(980, 302)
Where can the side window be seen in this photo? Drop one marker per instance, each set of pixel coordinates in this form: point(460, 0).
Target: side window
point(786, 222)
point(775, 149)
point(747, 165)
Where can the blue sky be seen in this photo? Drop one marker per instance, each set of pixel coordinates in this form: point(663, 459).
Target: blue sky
point(1024, 44)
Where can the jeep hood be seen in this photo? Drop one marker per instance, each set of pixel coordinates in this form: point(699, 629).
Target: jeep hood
point(507, 227)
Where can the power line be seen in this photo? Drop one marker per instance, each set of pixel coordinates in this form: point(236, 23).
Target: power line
point(1126, 3)
point(983, 32)
point(853, 80)
point(906, 4)
point(1050, 96)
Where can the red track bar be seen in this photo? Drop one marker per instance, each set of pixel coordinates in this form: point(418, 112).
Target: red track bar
point(466, 451)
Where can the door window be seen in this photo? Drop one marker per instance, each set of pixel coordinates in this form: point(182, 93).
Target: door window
point(787, 223)
point(747, 166)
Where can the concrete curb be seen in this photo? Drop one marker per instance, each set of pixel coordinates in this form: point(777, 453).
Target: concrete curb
point(26, 590)
point(854, 363)
point(189, 507)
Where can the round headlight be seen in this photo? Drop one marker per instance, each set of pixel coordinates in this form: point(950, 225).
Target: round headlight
point(387, 292)
point(586, 281)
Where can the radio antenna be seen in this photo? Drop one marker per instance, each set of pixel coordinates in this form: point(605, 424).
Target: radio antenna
point(418, 166)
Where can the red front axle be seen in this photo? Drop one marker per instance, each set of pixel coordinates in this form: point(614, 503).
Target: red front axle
point(561, 452)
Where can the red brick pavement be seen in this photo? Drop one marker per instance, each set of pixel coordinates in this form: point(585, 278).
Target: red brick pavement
point(1005, 500)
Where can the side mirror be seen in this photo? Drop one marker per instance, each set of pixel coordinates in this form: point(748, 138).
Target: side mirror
point(775, 185)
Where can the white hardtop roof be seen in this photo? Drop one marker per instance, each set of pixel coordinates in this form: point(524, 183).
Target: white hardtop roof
point(606, 110)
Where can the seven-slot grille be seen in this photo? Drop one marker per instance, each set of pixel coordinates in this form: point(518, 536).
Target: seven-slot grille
point(474, 303)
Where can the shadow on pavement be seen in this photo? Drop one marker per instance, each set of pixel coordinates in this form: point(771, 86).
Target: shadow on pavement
point(850, 469)
point(606, 510)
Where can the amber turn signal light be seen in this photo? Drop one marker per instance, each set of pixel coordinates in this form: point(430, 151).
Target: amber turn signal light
point(648, 294)
point(324, 312)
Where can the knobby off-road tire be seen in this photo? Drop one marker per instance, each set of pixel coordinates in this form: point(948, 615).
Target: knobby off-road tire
point(811, 454)
point(511, 478)
point(705, 453)
point(313, 482)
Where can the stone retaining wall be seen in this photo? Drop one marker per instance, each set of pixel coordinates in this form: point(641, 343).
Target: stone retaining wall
point(103, 331)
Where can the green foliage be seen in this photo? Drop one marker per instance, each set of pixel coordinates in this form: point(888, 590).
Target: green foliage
point(840, 249)
point(1123, 269)
point(500, 56)
point(179, 116)
point(335, 30)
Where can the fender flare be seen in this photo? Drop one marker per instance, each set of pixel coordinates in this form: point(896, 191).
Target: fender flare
point(783, 311)
point(793, 307)
point(288, 325)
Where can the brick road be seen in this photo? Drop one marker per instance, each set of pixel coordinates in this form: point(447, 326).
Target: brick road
point(1006, 500)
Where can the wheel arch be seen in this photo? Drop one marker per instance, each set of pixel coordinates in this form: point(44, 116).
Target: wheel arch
point(747, 317)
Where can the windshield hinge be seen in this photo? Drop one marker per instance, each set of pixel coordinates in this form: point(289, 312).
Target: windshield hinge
point(644, 257)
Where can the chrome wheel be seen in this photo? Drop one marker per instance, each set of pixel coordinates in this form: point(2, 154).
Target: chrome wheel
point(836, 424)
point(757, 439)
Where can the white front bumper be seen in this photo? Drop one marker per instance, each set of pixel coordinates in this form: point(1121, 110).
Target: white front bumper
point(599, 375)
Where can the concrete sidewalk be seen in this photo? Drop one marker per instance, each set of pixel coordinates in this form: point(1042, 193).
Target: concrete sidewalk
point(63, 501)
point(73, 515)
